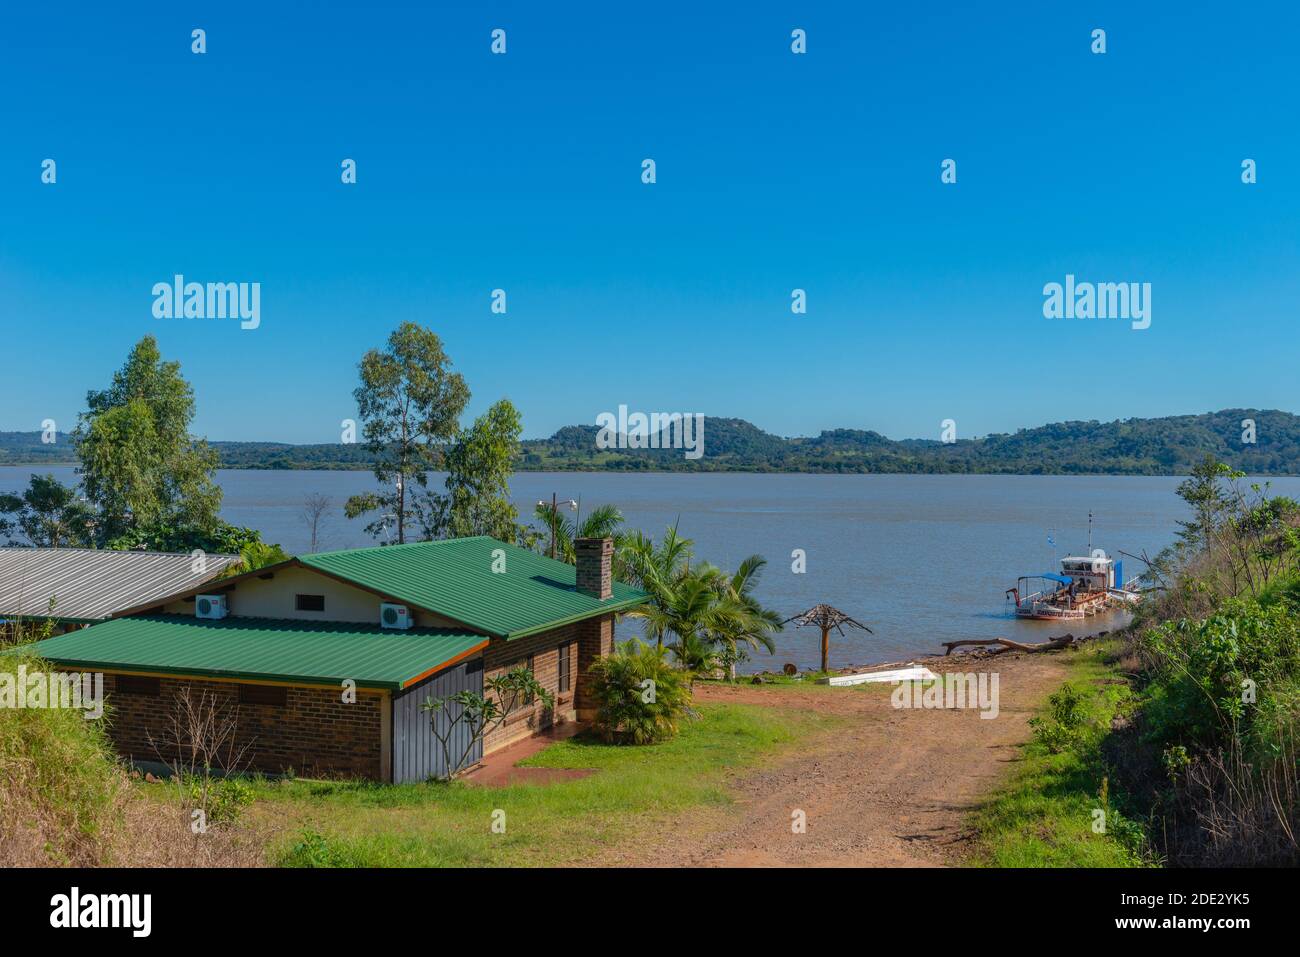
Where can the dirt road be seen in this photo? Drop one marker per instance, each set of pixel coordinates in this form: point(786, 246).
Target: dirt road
point(892, 787)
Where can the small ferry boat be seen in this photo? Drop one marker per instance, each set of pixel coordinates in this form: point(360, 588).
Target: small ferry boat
point(1085, 586)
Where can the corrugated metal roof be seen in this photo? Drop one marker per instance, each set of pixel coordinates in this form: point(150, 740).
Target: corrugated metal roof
point(89, 584)
point(455, 578)
point(265, 649)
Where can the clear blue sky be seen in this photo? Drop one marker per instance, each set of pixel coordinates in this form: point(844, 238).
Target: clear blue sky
point(775, 171)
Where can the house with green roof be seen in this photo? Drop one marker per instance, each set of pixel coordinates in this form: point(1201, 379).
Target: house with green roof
point(324, 660)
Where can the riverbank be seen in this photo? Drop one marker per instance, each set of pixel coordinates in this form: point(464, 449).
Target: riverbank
point(1060, 806)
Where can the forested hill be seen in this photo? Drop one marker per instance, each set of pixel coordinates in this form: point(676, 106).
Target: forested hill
point(1168, 446)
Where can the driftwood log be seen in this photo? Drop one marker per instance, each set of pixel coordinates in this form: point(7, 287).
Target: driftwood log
point(1006, 644)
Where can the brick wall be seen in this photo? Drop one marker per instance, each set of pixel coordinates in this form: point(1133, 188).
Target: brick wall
point(317, 735)
point(595, 640)
point(500, 656)
point(314, 733)
point(595, 566)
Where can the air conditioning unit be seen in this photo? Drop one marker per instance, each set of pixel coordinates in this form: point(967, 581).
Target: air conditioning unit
point(394, 616)
point(210, 606)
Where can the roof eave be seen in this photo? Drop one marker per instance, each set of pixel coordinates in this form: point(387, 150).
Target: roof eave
point(615, 606)
point(208, 583)
point(313, 681)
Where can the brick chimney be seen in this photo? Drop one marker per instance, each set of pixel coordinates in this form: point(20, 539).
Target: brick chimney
point(595, 566)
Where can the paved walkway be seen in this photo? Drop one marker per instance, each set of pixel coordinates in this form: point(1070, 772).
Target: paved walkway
point(498, 769)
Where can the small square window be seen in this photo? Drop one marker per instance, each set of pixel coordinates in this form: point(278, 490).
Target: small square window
point(309, 602)
point(263, 694)
point(138, 684)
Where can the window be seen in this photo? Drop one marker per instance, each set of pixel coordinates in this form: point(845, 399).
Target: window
point(529, 664)
point(137, 684)
point(263, 694)
point(309, 602)
point(564, 678)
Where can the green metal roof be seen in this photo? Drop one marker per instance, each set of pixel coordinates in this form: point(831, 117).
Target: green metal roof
point(454, 578)
point(294, 652)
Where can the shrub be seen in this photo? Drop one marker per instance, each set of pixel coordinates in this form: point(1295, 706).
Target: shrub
point(641, 698)
point(222, 799)
point(1232, 674)
point(1066, 720)
point(1221, 711)
point(313, 849)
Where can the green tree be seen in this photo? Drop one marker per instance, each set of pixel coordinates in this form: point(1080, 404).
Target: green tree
point(410, 402)
point(47, 514)
point(255, 555)
point(690, 606)
point(140, 467)
point(603, 521)
point(1204, 491)
point(222, 538)
point(479, 464)
point(641, 562)
point(751, 625)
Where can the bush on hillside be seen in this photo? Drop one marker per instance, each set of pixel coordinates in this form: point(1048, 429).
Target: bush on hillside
point(65, 800)
point(1234, 674)
point(1222, 707)
point(59, 785)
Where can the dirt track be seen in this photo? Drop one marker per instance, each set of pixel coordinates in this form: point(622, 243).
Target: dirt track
point(891, 788)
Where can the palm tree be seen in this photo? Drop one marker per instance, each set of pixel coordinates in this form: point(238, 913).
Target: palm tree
point(604, 521)
point(686, 605)
point(753, 625)
point(696, 655)
point(641, 562)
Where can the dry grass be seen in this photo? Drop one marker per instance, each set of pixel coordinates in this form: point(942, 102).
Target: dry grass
point(66, 801)
point(1245, 815)
point(125, 827)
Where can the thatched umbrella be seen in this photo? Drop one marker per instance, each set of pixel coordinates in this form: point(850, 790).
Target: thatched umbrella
point(825, 617)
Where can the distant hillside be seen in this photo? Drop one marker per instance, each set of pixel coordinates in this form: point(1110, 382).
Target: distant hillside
point(25, 448)
point(1168, 446)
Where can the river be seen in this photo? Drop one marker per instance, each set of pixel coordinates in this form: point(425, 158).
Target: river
point(919, 558)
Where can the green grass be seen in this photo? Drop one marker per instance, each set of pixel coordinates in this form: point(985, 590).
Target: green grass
point(635, 791)
point(1044, 817)
point(807, 679)
point(59, 783)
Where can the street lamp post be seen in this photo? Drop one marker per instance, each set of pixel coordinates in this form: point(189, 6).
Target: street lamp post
point(555, 515)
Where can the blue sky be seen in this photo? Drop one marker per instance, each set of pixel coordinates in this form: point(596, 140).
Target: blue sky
point(775, 171)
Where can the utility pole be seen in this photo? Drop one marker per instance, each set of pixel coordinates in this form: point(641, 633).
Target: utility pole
point(555, 516)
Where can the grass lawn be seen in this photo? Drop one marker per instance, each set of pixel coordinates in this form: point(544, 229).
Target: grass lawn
point(1044, 817)
point(635, 789)
point(779, 683)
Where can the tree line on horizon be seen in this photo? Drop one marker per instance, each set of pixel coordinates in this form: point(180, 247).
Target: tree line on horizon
point(1162, 446)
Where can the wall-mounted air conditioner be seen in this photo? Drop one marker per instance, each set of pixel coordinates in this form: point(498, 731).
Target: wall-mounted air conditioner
point(394, 616)
point(210, 606)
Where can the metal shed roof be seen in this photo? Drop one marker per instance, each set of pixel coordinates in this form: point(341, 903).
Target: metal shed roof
point(90, 584)
point(454, 578)
point(263, 649)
